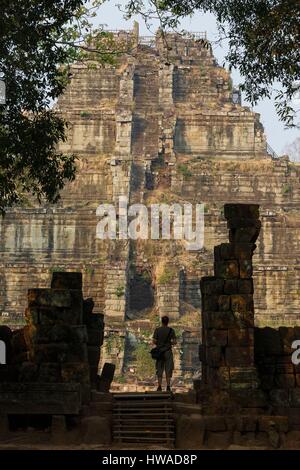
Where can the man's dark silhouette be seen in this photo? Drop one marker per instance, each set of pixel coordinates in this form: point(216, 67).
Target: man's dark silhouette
point(164, 337)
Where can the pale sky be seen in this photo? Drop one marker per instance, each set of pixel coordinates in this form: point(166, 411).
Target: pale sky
point(277, 136)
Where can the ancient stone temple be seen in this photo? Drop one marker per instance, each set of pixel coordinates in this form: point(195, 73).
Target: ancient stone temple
point(163, 125)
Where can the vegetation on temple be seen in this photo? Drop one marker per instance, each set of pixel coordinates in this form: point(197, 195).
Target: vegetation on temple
point(38, 42)
point(263, 38)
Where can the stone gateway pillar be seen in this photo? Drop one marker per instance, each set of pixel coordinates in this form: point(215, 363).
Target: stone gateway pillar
point(227, 352)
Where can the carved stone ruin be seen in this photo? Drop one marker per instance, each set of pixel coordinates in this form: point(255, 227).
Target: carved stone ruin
point(161, 125)
point(228, 309)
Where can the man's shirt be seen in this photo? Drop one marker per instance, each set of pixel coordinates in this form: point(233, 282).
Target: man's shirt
point(161, 334)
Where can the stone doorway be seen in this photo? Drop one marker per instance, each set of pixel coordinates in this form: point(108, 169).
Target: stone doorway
point(128, 346)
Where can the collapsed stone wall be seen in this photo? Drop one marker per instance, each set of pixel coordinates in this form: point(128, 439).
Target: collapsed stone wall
point(61, 340)
point(228, 308)
point(278, 374)
point(249, 391)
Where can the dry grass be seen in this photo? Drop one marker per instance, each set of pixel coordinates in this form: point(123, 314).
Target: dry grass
point(189, 315)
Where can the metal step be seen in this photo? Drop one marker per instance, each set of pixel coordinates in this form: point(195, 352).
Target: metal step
point(144, 422)
point(146, 409)
point(145, 439)
point(142, 426)
point(145, 431)
point(142, 413)
point(142, 395)
point(144, 403)
point(143, 417)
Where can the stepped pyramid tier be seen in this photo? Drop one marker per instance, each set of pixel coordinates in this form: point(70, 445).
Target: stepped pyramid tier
point(162, 125)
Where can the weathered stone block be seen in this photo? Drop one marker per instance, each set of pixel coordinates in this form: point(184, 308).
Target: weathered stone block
point(249, 398)
point(96, 430)
point(18, 341)
point(243, 223)
point(241, 337)
point(61, 333)
point(211, 286)
point(287, 336)
point(66, 280)
point(202, 350)
point(49, 373)
point(247, 423)
point(219, 320)
point(279, 398)
point(284, 367)
point(244, 251)
point(216, 337)
point(32, 315)
point(57, 316)
point(239, 356)
point(95, 321)
point(244, 235)
point(77, 353)
point(55, 352)
point(210, 303)
point(95, 337)
point(280, 423)
point(106, 377)
point(227, 269)
point(267, 381)
point(43, 334)
point(190, 431)
point(285, 380)
point(22, 357)
point(293, 413)
point(218, 377)
point(227, 251)
point(58, 429)
point(79, 333)
point(93, 355)
point(219, 440)
point(230, 286)
point(28, 372)
point(292, 440)
point(88, 305)
point(38, 398)
point(223, 303)
point(9, 373)
point(242, 303)
point(49, 298)
point(246, 270)
point(215, 423)
point(214, 356)
point(4, 425)
point(6, 336)
point(93, 374)
point(244, 375)
point(75, 372)
point(250, 211)
point(245, 286)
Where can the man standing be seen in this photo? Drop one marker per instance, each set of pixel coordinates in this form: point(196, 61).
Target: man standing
point(164, 338)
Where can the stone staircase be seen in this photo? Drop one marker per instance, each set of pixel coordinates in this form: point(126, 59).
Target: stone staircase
point(143, 418)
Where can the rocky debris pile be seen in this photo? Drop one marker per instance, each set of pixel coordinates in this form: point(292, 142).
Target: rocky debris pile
point(279, 374)
point(61, 340)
